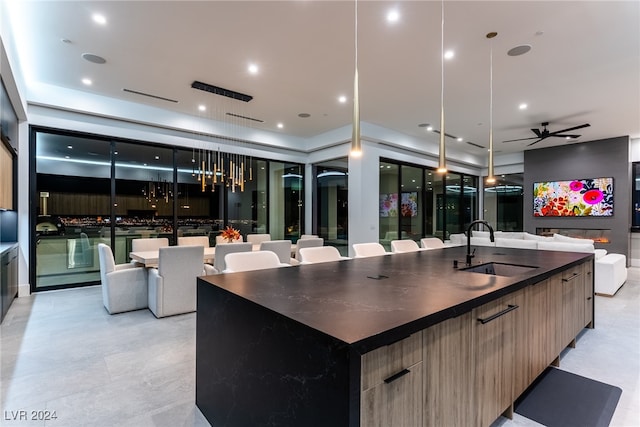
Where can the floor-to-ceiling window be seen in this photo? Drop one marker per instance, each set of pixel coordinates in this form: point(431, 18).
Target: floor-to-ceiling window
point(503, 203)
point(71, 208)
point(331, 210)
point(286, 200)
point(416, 202)
point(91, 190)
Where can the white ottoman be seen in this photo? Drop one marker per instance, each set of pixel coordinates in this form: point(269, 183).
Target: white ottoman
point(610, 274)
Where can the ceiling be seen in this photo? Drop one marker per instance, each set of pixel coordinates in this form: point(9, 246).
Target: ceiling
point(583, 66)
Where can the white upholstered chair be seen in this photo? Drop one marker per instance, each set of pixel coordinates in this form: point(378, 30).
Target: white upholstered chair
point(431, 243)
point(148, 244)
point(405, 245)
point(308, 236)
point(256, 239)
point(124, 286)
point(227, 248)
point(249, 261)
point(320, 254)
point(310, 242)
point(172, 286)
point(363, 250)
point(194, 241)
point(282, 248)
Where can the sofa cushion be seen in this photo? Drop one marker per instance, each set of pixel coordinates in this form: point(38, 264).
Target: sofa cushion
point(509, 234)
point(516, 243)
point(529, 236)
point(566, 247)
point(567, 239)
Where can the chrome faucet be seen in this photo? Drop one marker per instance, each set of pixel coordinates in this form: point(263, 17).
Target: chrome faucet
point(491, 237)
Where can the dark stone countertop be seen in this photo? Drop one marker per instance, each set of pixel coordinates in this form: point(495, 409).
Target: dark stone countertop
point(350, 302)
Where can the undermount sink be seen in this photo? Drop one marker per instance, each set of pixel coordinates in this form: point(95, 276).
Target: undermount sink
point(499, 269)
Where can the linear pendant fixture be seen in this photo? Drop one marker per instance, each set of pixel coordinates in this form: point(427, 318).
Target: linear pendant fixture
point(442, 162)
point(356, 145)
point(491, 179)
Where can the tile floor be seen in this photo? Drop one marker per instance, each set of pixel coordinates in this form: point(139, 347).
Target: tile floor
point(60, 351)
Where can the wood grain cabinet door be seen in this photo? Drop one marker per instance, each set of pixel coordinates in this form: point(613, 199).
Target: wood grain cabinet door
point(493, 345)
point(391, 384)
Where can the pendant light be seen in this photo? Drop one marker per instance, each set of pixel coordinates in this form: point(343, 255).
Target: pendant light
point(491, 179)
point(356, 146)
point(442, 163)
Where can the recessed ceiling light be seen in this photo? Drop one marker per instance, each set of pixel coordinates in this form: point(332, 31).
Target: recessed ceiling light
point(429, 128)
point(253, 68)
point(87, 81)
point(459, 139)
point(115, 152)
point(393, 16)
point(519, 50)
point(342, 99)
point(202, 108)
point(157, 157)
point(69, 147)
point(523, 106)
point(280, 125)
point(96, 59)
point(99, 19)
point(67, 157)
point(449, 54)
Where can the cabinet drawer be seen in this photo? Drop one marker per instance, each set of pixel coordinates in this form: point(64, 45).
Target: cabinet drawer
point(386, 362)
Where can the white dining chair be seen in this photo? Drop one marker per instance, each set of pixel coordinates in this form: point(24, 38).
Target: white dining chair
point(149, 244)
point(311, 242)
point(249, 261)
point(405, 245)
point(364, 250)
point(194, 241)
point(320, 254)
point(282, 248)
point(256, 238)
point(308, 236)
point(172, 286)
point(223, 249)
point(124, 286)
point(431, 243)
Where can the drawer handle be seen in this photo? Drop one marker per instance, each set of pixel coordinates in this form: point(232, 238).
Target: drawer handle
point(573, 276)
point(509, 308)
point(394, 377)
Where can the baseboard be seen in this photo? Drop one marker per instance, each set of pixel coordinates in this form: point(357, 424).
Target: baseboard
point(24, 290)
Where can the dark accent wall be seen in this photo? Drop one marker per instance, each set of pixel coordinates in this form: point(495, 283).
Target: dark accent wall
point(595, 159)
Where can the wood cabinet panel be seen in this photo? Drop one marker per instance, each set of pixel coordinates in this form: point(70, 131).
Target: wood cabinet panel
point(382, 363)
point(572, 304)
point(391, 381)
point(448, 376)
point(493, 343)
point(397, 403)
point(6, 178)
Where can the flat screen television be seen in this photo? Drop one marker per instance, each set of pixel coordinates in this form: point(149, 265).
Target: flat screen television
point(578, 197)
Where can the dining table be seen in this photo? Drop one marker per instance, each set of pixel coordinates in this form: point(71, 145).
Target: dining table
point(150, 258)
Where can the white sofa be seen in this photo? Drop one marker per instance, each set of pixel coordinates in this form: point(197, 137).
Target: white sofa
point(610, 270)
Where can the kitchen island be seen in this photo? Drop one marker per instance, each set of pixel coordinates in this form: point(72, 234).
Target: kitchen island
point(405, 339)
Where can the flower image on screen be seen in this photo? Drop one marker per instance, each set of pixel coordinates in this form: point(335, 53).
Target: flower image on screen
point(579, 197)
point(389, 205)
point(409, 204)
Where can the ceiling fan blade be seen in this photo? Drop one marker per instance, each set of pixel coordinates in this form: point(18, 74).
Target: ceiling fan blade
point(537, 132)
point(569, 129)
point(522, 139)
point(566, 136)
point(534, 142)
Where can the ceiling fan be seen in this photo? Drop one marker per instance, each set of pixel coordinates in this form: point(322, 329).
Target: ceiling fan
point(545, 133)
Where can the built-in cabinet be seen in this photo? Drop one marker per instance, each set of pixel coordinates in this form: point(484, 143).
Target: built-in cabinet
point(6, 177)
point(392, 384)
point(476, 365)
point(8, 279)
